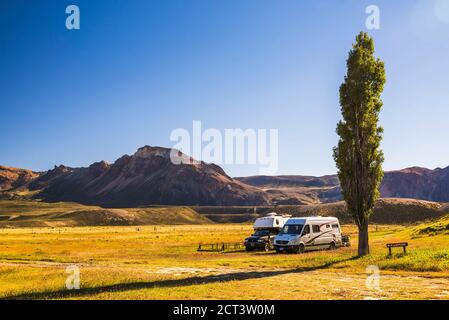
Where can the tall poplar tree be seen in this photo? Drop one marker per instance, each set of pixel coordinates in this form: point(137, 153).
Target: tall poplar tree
point(357, 155)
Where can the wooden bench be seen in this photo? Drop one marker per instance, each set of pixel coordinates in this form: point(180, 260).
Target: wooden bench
point(219, 247)
point(397, 245)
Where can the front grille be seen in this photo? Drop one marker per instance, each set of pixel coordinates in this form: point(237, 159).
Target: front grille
point(282, 242)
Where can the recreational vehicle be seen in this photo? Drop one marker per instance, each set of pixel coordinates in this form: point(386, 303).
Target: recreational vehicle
point(309, 233)
point(265, 229)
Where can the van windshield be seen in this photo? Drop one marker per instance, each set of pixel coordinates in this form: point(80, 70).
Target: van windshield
point(292, 229)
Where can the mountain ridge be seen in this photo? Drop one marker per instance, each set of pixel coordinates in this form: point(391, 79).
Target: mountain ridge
point(413, 182)
point(148, 177)
point(145, 178)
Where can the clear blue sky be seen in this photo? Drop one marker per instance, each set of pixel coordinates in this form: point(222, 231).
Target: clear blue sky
point(136, 70)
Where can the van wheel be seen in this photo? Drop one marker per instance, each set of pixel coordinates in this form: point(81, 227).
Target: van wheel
point(301, 248)
point(294, 249)
point(267, 247)
point(332, 246)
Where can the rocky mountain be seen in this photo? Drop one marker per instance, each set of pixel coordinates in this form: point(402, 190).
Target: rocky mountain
point(412, 183)
point(417, 183)
point(290, 181)
point(148, 177)
point(145, 178)
point(297, 190)
point(12, 178)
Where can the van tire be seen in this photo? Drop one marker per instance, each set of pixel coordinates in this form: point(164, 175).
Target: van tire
point(301, 248)
point(293, 249)
point(332, 246)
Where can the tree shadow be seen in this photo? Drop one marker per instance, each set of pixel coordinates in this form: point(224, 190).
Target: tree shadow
point(196, 280)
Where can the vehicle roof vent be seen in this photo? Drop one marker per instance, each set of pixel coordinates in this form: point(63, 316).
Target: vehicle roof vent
point(271, 214)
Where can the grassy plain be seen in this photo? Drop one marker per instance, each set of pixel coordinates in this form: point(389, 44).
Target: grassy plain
point(161, 262)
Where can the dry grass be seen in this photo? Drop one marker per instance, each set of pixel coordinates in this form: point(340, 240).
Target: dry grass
point(19, 213)
point(161, 262)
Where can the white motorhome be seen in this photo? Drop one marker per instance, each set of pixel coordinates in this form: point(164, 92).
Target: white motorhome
point(271, 221)
point(309, 233)
point(265, 229)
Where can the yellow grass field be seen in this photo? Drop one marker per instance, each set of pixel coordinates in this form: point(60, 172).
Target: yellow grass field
point(161, 262)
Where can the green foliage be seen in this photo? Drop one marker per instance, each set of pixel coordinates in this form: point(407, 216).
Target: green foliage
point(420, 260)
point(357, 155)
point(440, 226)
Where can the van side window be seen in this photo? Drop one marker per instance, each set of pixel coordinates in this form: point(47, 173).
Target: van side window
point(335, 226)
point(328, 226)
point(316, 228)
point(306, 230)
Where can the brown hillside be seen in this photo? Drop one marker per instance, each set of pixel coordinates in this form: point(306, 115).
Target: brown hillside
point(413, 183)
point(19, 214)
point(11, 178)
point(387, 211)
point(145, 178)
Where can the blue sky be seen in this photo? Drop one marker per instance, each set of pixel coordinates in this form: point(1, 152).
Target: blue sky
point(136, 70)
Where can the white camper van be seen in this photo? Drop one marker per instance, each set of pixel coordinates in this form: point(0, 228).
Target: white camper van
point(265, 229)
point(271, 220)
point(309, 233)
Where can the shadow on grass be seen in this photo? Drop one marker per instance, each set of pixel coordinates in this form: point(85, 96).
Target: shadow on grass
point(196, 280)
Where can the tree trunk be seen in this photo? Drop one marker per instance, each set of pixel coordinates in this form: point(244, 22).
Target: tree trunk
point(363, 240)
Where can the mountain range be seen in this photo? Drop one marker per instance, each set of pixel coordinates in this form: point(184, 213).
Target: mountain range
point(148, 177)
point(413, 183)
point(145, 178)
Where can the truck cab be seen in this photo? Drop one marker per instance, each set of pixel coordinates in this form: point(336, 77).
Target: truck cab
point(261, 239)
point(265, 230)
